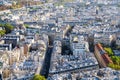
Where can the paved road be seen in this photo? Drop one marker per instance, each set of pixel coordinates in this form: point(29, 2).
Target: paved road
point(92, 67)
point(46, 65)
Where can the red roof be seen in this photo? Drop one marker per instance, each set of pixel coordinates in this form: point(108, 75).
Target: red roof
point(99, 46)
point(104, 55)
point(106, 58)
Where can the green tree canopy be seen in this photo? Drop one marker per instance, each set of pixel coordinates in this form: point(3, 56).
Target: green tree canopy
point(116, 59)
point(8, 27)
point(2, 32)
point(109, 51)
point(38, 77)
point(26, 25)
point(114, 66)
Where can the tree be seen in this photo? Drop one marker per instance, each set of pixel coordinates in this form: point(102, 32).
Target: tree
point(109, 51)
point(2, 32)
point(8, 27)
point(116, 59)
point(114, 66)
point(38, 77)
point(26, 25)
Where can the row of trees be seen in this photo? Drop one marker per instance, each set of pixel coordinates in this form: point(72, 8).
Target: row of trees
point(114, 66)
point(115, 59)
point(109, 51)
point(6, 28)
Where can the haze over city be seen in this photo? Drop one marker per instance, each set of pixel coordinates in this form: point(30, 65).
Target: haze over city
point(59, 40)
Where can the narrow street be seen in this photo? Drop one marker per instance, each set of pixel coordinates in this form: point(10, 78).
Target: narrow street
point(46, 64)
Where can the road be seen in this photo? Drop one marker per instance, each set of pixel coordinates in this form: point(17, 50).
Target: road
point(92, 67)
point(46, 65)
